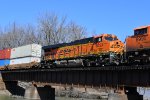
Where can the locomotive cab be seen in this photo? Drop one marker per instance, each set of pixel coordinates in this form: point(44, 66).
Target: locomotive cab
point(110, 48)
point(110, 43)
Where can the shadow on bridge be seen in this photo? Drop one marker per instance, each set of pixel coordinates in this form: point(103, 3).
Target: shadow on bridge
point(132, 93)
point(46, 93)
point(14, 89)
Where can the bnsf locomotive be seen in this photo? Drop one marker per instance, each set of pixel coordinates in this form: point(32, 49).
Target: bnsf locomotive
point(102, 50)
point(105, 49)
point(138, 46)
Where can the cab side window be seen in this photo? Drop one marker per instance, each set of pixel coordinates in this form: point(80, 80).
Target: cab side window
point(140, 31)
point(99, 39)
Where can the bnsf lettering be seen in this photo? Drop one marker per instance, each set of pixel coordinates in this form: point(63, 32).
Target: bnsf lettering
point(115, 46)
point(141, 38)
point(65, 51)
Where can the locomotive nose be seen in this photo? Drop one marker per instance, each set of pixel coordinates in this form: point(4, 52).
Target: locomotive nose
point(116, 44)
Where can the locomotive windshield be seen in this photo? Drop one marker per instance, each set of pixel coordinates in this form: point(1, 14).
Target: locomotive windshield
point(140, 31)
point(110, 38)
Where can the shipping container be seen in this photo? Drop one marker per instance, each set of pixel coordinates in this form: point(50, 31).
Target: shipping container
point(32, 50)
point(24, 60)
point(5, 54)
point(4, 62)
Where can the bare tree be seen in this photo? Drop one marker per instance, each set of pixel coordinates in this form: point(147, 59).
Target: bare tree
point(75, 32)
point(15, 35)
point(51, 29)
point(56, 30)
point(30, 35)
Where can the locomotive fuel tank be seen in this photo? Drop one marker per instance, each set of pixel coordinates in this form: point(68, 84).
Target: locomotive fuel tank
point(69, 63)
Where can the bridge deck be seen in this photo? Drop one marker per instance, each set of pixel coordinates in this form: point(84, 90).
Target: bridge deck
point(93, 76)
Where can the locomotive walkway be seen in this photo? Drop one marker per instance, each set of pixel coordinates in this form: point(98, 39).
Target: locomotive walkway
point(110, 76)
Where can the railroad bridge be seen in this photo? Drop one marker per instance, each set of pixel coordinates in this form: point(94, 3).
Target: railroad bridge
point(126, 78)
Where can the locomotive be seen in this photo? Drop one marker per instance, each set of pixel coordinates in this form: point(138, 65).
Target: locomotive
point(138, 46)
point(105, 49)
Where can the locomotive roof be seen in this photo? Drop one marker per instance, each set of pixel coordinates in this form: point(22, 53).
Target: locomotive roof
point(54, 46)
point(76, 42)
point(142, 27)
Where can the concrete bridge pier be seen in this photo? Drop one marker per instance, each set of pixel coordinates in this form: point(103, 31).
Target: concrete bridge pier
point(125, 93)
point(40, 93)
point(31, 93)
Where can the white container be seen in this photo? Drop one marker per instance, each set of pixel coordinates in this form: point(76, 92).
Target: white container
point(32, 50)
point(24, 60)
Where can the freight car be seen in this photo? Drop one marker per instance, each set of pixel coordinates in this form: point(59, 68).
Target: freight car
point(138, 46)
point(22, 57)
point(105, 49)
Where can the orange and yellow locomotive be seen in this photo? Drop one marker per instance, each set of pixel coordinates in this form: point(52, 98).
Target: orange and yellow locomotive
point(105, 49)
point(138, 46)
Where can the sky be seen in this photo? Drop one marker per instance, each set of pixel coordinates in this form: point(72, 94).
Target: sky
point(117, 17)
